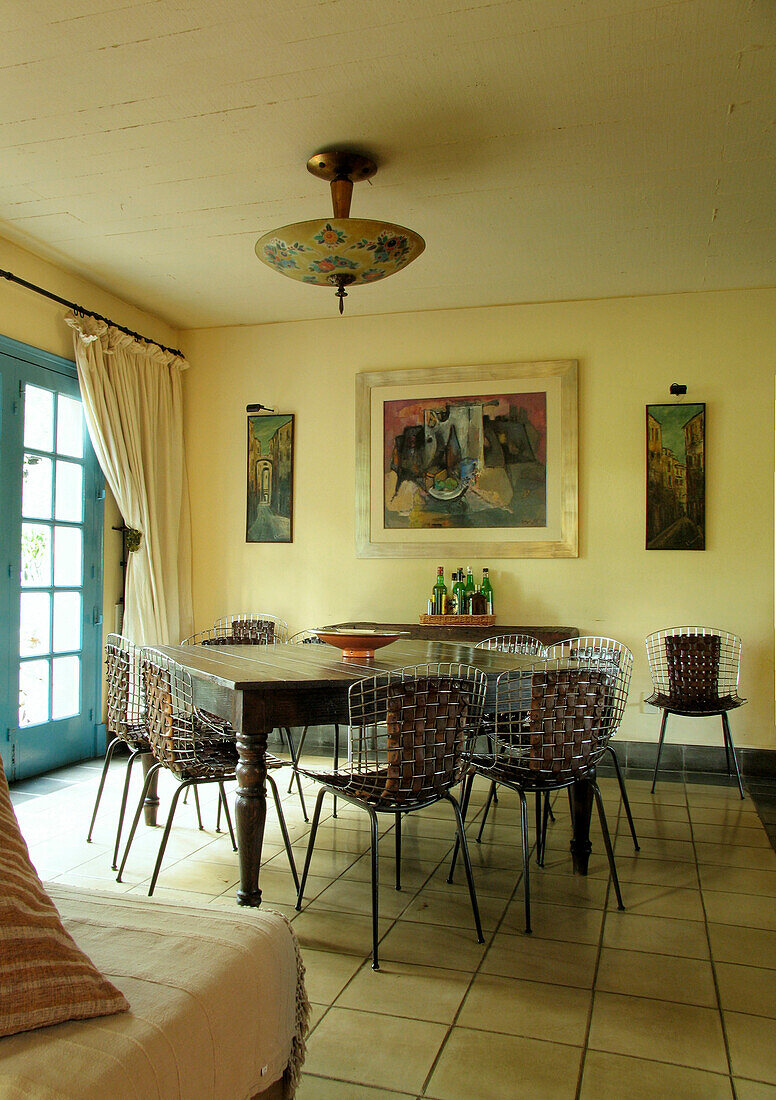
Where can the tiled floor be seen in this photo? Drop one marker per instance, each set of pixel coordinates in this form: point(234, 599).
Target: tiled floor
point(675, 997)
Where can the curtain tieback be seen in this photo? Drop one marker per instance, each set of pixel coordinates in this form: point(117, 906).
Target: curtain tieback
point(134, 538)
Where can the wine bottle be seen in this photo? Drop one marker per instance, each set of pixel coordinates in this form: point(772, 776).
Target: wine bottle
point(469, 591)
point(487, 591)
point(440, 591)
point(459, 593)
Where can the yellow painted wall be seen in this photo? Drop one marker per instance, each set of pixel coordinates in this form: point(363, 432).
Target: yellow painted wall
point(35, 320)
point(721, 345)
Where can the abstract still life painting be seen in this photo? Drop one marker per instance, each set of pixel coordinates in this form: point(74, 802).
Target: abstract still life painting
point(676, 477)
point(270, 478)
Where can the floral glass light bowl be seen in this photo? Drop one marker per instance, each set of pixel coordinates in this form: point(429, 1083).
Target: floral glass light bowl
point(359, 644)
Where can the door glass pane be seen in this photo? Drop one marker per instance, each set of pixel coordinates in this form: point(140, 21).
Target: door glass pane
point(33, 692)
point(36, 487)
point(70, 436)
point(69, 497)
point(67, 557)
point(36, 555)
point(38, 418)
point(67, 621)
point(34, 624)
point(65, 687)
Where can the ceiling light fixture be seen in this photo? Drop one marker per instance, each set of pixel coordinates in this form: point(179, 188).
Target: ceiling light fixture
point(339, 251)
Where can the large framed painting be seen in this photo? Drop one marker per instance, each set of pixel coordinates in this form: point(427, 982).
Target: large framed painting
point(477, 461)
point(676, 477)
point(270, 478)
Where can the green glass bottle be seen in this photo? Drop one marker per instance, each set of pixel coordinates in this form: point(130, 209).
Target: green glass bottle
point(487, 590)
point(440, 591)
point(469, 591)
point(459, 594)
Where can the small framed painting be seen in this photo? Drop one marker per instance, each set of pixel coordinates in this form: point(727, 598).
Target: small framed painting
point(270, 478)
point(676, 477)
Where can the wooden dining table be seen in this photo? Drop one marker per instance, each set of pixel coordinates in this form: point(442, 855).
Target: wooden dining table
point(260, 688)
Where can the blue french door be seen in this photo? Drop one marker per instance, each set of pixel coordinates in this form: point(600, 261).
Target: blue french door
point(51, 502)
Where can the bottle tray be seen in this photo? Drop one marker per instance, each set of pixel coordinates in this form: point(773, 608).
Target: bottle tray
point(457, 620)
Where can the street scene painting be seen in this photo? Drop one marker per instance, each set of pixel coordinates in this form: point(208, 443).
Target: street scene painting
point(466, 462)
point(270, 478)
point(676, 477)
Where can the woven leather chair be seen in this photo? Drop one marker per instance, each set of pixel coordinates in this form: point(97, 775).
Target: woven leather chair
point(193, 750)
point(606, 649)
point(571, 716)
point(695, 673)
point(409, 733)
point(251, 628)
point(527, 646)
point(309, 637)
point(125, 720)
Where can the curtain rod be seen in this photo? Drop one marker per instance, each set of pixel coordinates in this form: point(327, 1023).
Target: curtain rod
point(86, 312)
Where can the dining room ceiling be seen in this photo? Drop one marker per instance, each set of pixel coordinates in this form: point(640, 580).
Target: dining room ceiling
point(545, 149)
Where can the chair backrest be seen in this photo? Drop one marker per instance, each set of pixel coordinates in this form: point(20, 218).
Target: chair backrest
point(409, 729)
point(593, 647)
point(305, 637)
point(564, 733)
point(245, 628)
point(694, 666)
point(514, 643)
point(170, 714)
point(125, 704)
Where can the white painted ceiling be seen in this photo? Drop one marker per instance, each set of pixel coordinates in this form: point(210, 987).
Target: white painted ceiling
point(545, 149)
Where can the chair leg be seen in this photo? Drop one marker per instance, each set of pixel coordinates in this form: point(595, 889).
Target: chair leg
point(374, 839)
point(148, 779)
point(336, 761)
point(539, 830)
point(398, 851)
point(659, 747)
point(299, 748)
point(468, 865)
point(607, 841)
point(310, 845)
point(294, 764)
point(546, 815)
point(196, 803)
point(223, 802)
point(624, 797)
point(108, 756)
point(729, 741)
point(492, 797)
point(550, 814)
point(123, 808)
point(284, 830)
point(218, 816)
point(526, 860)
point(466, 795)
point(168, 826)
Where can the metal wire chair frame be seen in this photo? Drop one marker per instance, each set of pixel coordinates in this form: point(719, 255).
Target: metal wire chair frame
point(694, 684)
point(558, 745)
point(251, 628)
point(189, 748)
point(125, 720)
point(409, 733)
point(596, 646)
point(309, 637)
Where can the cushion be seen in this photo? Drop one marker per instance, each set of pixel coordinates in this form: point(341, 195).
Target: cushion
point(46, 978)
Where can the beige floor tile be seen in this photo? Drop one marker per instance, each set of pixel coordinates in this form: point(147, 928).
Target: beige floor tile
point(711, 794)
point(669, 978)
point(497, 882)
point(504, 856)
point(656, 811)
point(277, 885)
point(563, 887)
point(325, 862)
point(203, 877)
point(739, 855)
point(557, 861)
point(556, 961)
point(400, 989)
point(612, 1075)
point(414, 872)
point(454, 908)
point(739, 880)
point(642, 1027)
point(655, 848)
point(754, 1090)
point(385, 1051)
point(753, 947)
point(659, 901)
point(749, 989)
point(730, 813)
point(324, 930)
point(657, 872)
point(349, 895)
point(420, 828)
point(556, 1013)
point(724, 834)
point(650, 829)
point(429, 945)
point(93, 882)
point(666, 794)
point(746, 910)
point(752, 1048)
point(322, 1088)
point(327, 973)
point(477, 1064)
point(662, 935)
point(554, 922)
point(174, 897)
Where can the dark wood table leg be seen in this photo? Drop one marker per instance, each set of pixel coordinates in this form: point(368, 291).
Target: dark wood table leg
point(581, 799)
point(251, 800)
point(151, 804)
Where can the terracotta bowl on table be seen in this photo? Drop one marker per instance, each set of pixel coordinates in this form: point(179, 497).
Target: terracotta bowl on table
point(359, 644)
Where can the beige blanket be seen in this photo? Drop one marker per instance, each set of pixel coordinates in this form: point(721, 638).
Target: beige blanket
point(218, 1009)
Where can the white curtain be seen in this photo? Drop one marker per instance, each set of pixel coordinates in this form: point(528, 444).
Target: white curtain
point(132, 398)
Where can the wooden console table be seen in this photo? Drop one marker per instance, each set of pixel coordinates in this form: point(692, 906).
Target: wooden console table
point(547, 635)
